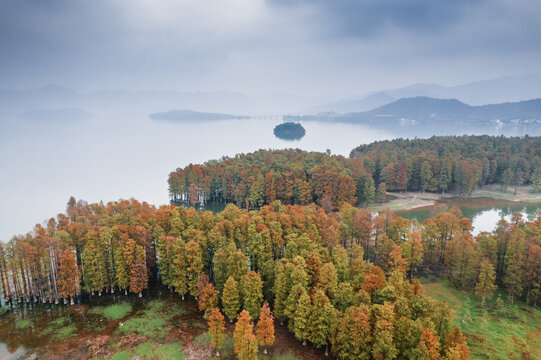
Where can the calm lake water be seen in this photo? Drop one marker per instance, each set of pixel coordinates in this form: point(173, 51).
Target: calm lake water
point(128, 155)
point(484, 213)
point(119, 154)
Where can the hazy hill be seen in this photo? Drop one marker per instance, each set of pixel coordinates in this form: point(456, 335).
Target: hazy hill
point(449, 112)
point(503, 89)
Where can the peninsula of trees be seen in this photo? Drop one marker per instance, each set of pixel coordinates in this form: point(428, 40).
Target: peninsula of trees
point(439, 164)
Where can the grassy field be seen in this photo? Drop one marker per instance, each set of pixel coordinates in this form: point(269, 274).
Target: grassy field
point(509, 332)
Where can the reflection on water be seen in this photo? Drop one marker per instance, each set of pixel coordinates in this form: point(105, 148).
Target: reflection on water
point(11, 354)
point(484, 213)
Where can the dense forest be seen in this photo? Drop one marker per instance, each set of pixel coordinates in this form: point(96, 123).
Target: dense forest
point(340, 279)
point(443, 164)
point(291, 176)
point(453, 163)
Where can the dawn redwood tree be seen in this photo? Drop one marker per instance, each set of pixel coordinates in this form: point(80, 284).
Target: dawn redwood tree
point(208, 299)
point(237, 265)
point(107, 245)
point(532, 273)
point(514, 275)
point(178, 269)
point(381, 193)
point(252, 293)
point(122, 267)
point(485, 281)
point(230, 299)
point(319, 321)
point(374, 280)
point(216, 329)
point(383, 346)
point(245, 341)
point(456, 347)
point(194, 266)
point(280, 292)
point(412, 250)
point(345, 297)
point(68, 274)
point(426, 176)
point(94, 272)
point(265, 327)
point(302, 314)
point(328, 279)
point(353, 334)
point(138, 270)
point(429, 346)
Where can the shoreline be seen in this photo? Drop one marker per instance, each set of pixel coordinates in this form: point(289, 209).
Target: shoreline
point(415, 200)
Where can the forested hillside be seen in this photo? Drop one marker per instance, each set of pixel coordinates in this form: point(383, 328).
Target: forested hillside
point(439, 164)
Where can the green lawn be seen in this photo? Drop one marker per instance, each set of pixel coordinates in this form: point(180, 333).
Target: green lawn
point(511, 332)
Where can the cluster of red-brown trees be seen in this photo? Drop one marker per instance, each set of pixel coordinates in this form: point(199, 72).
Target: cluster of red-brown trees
point(291, 176)
point(337, 279)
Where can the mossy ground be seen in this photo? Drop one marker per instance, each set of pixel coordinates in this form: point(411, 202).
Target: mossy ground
point(60, 329)
point(152, 351)
point(112, 312)
point(510, 332)
point(153, 322)
point(22, 323)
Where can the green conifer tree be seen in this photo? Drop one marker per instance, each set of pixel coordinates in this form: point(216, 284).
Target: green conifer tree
point(230, 299)
point(252, 293)
point(302, 314)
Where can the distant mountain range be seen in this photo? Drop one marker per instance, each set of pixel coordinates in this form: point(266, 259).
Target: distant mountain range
point(429, 111)
point(504, 89)
point(52, 96)
point(56, 96)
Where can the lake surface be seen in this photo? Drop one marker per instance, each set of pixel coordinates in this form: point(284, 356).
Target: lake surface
point(121, 154)
point(125, 155)
point(484, 213)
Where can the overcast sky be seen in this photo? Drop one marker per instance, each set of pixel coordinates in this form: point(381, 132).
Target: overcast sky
point(306, 47)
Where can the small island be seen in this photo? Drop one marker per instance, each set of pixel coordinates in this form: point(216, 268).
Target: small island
point(289, 131)
point(190, 115)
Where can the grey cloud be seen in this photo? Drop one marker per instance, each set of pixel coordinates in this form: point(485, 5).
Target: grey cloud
point(316, 47)
point(369, 17)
